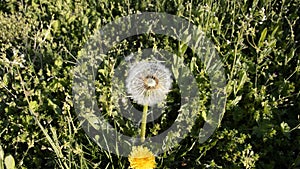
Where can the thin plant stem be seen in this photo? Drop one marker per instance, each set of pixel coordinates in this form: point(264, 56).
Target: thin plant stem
point(144, 121)
point(54, 143)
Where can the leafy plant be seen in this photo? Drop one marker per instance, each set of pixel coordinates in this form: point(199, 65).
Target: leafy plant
point(258, 42)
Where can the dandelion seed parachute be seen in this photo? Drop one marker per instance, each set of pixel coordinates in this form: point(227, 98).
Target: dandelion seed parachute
point(148, 82)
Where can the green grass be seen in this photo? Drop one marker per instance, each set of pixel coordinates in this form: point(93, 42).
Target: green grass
point(257, 41)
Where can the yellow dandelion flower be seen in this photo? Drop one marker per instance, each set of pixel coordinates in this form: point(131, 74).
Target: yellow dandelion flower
point(141, 158)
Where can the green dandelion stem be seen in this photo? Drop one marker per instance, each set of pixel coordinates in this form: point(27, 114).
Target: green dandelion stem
point(144, 121)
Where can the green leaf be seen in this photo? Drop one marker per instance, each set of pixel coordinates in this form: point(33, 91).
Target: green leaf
point(33, 105)
point(262, 37)
point(274, 31)
point(285, 127)
point(56, 25)
point(1, 157)
point(236, 100)
point(58, 62)
point(9, 162)
point(1, 153)
point(5, 79)
point(243, 80)
point(71, 19)
point(54, 106)
point(85, 21)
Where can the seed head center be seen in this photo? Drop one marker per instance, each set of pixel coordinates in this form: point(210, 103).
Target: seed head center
point(151, 82)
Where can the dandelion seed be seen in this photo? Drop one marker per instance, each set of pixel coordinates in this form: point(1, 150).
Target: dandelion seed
point(141, 158)
point(148, 83)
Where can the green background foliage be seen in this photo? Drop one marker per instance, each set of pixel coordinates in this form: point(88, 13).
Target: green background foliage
point(258, 42)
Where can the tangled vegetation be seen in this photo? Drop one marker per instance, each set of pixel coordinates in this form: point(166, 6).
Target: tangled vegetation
point(258, 42)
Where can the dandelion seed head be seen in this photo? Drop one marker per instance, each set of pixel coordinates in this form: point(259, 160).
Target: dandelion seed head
point(148, 83)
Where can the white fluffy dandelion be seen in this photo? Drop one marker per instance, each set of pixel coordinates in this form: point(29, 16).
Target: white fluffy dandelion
point(148, 82)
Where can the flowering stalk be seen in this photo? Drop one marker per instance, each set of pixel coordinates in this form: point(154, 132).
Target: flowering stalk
point(144, 121)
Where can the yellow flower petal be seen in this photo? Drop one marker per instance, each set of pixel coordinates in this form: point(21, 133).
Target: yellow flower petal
point(141, 158)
